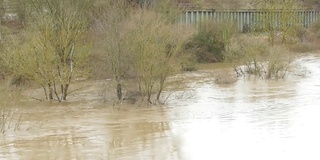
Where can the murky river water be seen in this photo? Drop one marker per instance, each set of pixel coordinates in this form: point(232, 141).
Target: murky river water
point(251, 119)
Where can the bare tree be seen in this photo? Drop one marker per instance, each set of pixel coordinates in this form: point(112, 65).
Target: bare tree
point(140, 42)
point(52, 46)
point(155, 45)
point(279, 19)
point(111, 32)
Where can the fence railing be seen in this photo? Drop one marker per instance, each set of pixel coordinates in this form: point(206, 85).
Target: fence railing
point(252, 18)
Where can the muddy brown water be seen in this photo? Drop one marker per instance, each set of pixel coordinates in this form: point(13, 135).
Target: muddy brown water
point(250, 119)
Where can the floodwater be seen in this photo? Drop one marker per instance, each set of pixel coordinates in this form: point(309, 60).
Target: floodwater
point(252, 119)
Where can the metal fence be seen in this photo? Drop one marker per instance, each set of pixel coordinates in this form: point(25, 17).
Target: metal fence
point(252, 18)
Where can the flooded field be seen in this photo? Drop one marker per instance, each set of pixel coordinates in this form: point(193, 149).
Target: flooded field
point(252, 119)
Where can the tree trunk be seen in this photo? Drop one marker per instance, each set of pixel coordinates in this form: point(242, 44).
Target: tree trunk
point(65, 92)
point(160, 89)
point(0, 30)
point(119, 91)
point(50, 93)
point(45, 91)
point(54, 90)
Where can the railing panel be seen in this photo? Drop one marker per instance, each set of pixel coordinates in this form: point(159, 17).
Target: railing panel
point(250, 18)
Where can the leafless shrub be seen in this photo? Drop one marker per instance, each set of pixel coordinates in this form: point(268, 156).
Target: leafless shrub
point(10, 117)
point(256, 57)
point(141, 44)
point(279, 20)
point(51, 50)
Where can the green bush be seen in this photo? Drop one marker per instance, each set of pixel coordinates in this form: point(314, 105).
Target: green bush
point(210, 42)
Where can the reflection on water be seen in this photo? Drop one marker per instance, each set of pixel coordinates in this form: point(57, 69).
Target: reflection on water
point(251, 119)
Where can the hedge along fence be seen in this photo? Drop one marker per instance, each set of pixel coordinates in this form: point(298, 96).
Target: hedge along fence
point(252, 19)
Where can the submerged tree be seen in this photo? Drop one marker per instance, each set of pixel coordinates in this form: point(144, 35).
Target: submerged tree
point(155, 44)
point(109, 23)
point(140, 43)
point(52, 47)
